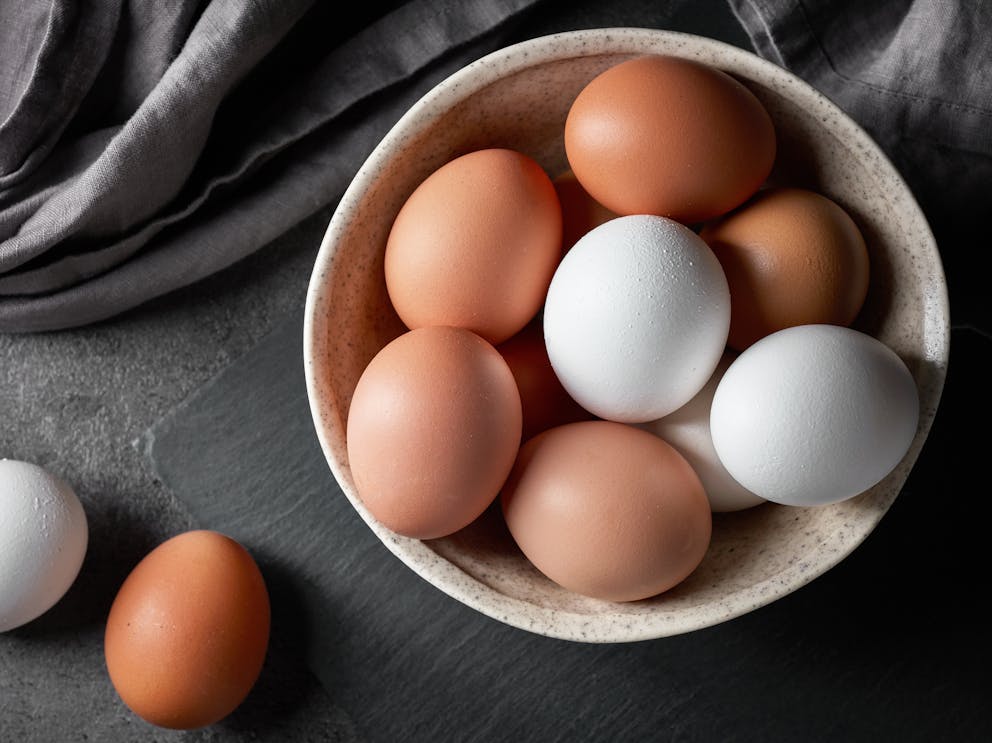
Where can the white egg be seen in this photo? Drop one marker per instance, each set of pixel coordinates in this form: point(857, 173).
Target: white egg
point(688, 430)
point(814, 414)
point(636, 318)
point(43, 538)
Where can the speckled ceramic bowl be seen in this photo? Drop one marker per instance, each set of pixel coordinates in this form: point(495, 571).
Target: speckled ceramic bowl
point(518, 97)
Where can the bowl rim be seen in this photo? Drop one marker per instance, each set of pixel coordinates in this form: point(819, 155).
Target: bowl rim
point(448, 577)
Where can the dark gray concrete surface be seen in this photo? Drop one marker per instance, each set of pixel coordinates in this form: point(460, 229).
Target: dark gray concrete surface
point(858, 655)
point(886, 646)
point(77, 402)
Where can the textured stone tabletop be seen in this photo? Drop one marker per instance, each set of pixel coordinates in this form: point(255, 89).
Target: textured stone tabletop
point(890, 645)
point(78, 402)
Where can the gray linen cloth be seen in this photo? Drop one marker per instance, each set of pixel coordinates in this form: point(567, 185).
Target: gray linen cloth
point(917, 75)
point(147, 144)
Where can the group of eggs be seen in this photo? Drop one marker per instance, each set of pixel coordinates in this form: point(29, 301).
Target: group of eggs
point(616, 353)
point(575, 348)
point(188, 630)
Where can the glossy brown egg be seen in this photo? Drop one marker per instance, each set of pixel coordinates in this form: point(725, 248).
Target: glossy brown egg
point(433, 430)
point(544, 401)
point(475, 245)
point(668, 136)
point(188, 631)
point(791, 257)
point(580, 212)
point(607, 510)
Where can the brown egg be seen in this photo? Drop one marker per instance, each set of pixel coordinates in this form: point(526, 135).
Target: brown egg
point(475, 245)
point(580, 212)
point(669, 136)
point(792, 257)
point(188, 631)
point(607, 510)
point(433, 430)
point(545, 402)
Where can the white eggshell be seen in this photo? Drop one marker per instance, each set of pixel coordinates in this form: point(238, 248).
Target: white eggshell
point(688, 430)
point(636, 318)
point(43, 538)
point(814, 414)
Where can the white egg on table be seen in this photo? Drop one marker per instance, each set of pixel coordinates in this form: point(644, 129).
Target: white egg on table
point(688, 430)
point(636, 318)
point(43, 539)
point(814, 414)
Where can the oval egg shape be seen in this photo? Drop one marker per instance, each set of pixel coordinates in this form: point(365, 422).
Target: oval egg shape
point(188, 632)
point(607, 510)
point(814, 414)
point(43, 539)
point(636, 318)
point(792, 257)
point(668, 136)
point(475, 245)
point(433, 430)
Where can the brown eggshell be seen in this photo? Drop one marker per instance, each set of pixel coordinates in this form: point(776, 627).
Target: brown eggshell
point(668, 136)
point(580, 212)
point(545, 402)
point(475, 245)
point(791, 257)
point(607, 510)
point(188, 631)
point(433, 430)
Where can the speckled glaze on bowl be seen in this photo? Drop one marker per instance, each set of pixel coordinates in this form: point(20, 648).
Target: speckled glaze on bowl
point(518, 97)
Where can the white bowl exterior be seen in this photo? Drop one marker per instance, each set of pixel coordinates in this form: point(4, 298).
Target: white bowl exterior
point(819, 146)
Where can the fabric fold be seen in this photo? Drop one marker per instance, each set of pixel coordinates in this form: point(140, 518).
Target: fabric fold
point(67, 46)
point(917, 75)
point(147, 163)
point(908, 69)
point(229, 204)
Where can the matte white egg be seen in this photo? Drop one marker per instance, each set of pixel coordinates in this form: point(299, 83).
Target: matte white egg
point(636, 318)
point(43, 539)
point(688, 430)
point(814, 414)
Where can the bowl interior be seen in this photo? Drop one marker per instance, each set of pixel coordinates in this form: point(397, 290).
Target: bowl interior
point(519, 98)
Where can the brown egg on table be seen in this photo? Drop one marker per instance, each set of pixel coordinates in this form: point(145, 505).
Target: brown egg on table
point(791, 257)
point(475, 245)
point(662, 135)
point(188, 632)
point(580, 212)
point(607, 510)
point(544, 402)
point(433, 430)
